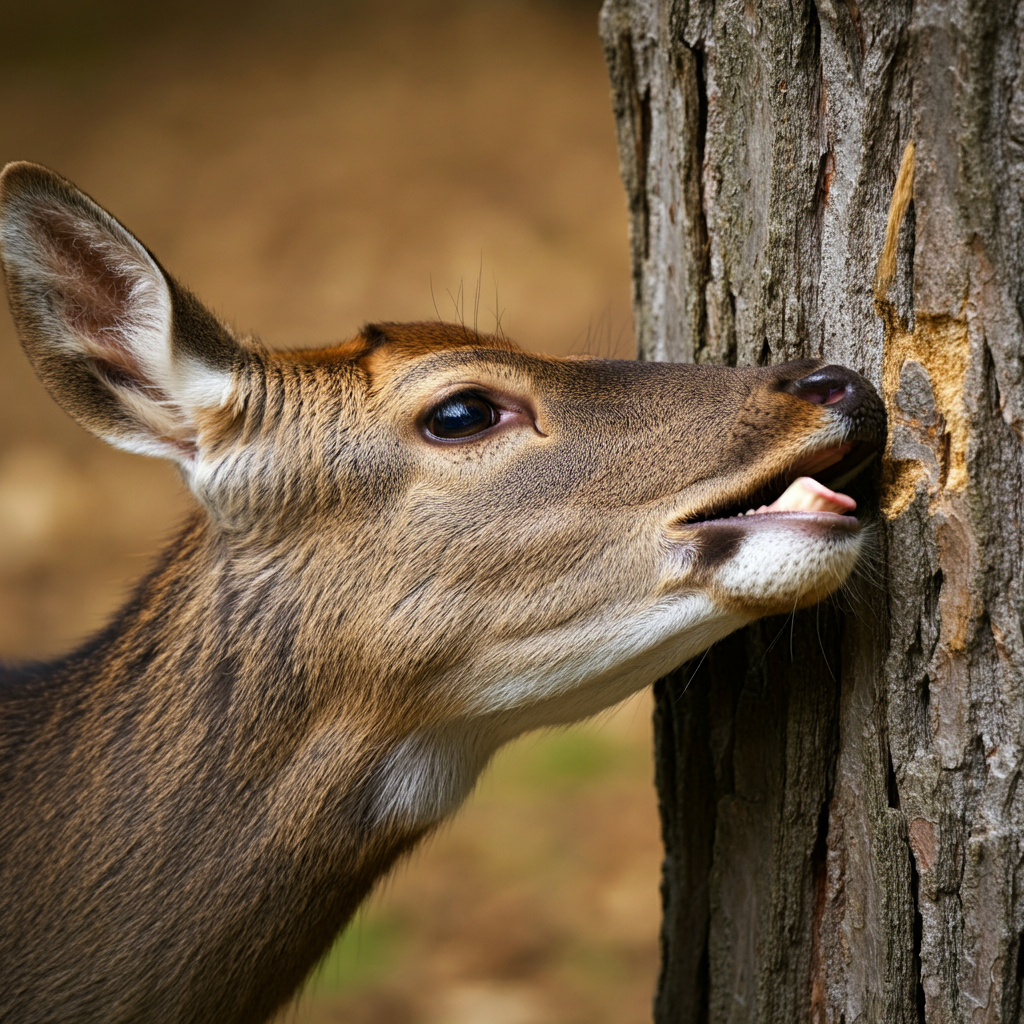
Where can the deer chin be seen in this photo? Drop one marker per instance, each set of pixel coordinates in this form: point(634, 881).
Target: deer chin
point(778, 562)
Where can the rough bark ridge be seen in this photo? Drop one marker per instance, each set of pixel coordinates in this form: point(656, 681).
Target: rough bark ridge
point(843, 818)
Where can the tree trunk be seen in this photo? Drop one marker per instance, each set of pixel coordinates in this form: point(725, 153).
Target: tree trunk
point(843, 820)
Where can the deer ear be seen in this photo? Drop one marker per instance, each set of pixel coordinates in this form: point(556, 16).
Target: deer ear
point(119, 344)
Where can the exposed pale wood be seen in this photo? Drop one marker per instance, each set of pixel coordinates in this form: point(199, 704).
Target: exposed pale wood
point(843, 818)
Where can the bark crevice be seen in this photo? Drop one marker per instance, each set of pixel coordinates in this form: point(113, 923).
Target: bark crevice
point(915, 896)
point(690, 70)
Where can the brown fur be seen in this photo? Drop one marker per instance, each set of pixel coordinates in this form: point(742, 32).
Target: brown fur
point(197, 800)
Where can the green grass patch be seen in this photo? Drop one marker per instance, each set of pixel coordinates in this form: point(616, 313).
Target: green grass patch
point(569, 759)
point(365, 951)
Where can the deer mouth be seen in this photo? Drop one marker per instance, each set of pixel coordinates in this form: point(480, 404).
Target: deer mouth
point(808, 489)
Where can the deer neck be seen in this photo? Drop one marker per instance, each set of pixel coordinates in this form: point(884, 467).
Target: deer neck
point(214, 756)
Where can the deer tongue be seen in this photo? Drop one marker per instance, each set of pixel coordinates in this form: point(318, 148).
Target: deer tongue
point(805, 494)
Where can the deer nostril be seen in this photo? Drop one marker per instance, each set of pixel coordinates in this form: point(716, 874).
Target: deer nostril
point(826, 386)
point(823, 395)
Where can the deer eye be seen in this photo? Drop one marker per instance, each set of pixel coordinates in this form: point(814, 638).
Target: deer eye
point(462, 416)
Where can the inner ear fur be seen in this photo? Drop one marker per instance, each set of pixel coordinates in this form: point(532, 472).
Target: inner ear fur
point(123, 348)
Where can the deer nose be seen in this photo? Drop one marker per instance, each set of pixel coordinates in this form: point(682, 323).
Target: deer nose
point(827, 385)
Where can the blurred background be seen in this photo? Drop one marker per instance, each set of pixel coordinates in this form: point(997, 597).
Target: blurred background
point(305, 168)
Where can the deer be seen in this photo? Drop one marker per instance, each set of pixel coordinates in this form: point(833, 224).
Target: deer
point(405, 550)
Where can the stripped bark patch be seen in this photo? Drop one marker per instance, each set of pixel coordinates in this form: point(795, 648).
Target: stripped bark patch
point(940, 345)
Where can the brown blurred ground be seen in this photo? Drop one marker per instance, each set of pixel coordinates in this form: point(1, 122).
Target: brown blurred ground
point(304, 169)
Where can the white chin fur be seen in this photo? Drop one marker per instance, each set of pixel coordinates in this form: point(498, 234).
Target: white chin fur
point(783, 564)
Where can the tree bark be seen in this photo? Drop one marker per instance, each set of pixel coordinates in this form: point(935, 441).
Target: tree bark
point(843, 820)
